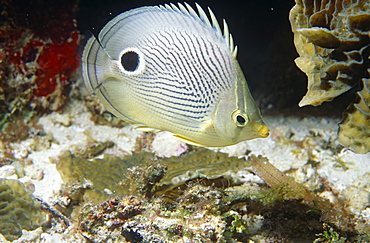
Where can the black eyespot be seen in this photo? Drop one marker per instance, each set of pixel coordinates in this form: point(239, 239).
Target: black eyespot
point(240, 119)
point(130, 61)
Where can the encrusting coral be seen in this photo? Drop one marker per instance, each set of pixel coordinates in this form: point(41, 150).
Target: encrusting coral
point(332, 38)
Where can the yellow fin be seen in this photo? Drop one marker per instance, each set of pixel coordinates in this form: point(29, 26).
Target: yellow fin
point(188, 141)
point(143, 128)
point(204, 127)
point(206, 124)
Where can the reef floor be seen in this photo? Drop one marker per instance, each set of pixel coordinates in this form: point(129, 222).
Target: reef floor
point(194, 205)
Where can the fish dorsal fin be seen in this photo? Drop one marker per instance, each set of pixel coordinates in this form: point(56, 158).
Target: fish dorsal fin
point(182, 8)
point(210, 21)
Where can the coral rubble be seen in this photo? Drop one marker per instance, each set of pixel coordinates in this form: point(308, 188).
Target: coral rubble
point(332, 38)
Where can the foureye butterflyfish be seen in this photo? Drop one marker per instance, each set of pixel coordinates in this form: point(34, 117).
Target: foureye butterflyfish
point(169, 68)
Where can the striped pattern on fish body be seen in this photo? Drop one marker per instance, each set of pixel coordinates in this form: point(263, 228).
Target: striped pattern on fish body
point(168, 68)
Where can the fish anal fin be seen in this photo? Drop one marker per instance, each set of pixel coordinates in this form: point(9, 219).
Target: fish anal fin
point(188, 141)
point(143, 128)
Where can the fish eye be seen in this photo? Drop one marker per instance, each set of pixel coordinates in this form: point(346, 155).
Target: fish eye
point(240, 118)
point(132, 61)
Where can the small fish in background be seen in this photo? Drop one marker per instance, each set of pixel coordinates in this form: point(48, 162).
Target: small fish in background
point(168, 68)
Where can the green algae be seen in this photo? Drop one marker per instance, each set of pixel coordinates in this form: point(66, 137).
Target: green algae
point(329, 236)
point(18, 209)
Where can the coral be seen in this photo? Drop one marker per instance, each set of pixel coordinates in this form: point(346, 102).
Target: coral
point(111, 213)
point(284, 187)
point(244, 224)
point(142, 173)
point(100, 115)
point(332, 38)
point(124, 219)
point(354, 130)
point(199, 213)
point(39, 61)
point(197, 164)
point(104, 175)
point(14, 132)
point(18, 209)
point(173, 199)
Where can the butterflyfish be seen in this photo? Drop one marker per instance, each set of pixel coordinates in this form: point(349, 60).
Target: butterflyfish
point(171, 68)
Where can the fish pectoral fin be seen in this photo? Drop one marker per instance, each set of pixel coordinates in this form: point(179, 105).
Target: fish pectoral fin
point(143, 128)
point(207, 124)
point(188, 141)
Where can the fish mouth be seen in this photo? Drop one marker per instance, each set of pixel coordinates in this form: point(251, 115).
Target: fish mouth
point(261, 130)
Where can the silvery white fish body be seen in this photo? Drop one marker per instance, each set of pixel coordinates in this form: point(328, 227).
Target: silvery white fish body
point(168, 68)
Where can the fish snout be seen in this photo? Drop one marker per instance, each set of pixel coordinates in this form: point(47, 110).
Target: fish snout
point(261, 130)
point(264, 131)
